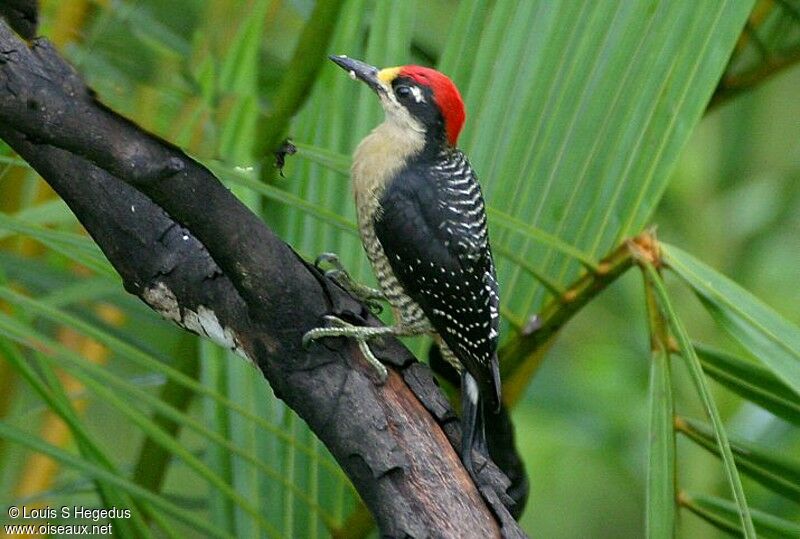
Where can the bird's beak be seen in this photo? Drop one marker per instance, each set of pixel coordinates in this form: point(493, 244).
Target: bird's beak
point(361, 71)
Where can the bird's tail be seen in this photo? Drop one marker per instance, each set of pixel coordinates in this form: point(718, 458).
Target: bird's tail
point(492, 390)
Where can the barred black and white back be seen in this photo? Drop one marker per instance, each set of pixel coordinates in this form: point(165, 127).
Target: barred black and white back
point(442, 258)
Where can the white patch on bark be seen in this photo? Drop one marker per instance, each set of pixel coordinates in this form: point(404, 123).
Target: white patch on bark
point(163, 301)
point(204, 321)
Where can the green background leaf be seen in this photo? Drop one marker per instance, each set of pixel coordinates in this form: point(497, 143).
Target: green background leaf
point(771, 338)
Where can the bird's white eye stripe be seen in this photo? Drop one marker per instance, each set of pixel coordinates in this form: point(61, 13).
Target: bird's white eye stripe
point(418, 97)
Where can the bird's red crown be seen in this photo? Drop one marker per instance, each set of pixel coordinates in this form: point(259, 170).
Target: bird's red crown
point(446, 95)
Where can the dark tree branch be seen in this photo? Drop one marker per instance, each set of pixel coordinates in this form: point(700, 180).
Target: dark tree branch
point(186, 246)
point(22, 15)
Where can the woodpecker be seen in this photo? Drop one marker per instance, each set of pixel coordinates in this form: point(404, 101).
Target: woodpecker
point(422, 221)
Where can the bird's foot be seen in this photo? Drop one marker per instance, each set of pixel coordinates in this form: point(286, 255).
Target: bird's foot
point(340, 328)
point(364, 293)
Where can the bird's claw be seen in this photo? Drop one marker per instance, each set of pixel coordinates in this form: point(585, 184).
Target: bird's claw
point(380, 368)
point(365, 294)
point(341, 277)
point(329, 258)
point(308, 337)
point(373, 306)
point(337, 322)
point(331, 321)
point(337, 275)
point(336, 327)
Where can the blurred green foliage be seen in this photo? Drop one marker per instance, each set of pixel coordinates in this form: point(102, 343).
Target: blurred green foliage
point(584, 126)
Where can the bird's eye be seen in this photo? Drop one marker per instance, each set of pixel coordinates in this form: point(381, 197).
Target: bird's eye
point(402, 91)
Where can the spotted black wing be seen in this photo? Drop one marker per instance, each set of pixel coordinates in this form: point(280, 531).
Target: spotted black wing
point(432, 228)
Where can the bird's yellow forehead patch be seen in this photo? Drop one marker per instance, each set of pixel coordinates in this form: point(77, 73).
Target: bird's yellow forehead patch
point(387, 75)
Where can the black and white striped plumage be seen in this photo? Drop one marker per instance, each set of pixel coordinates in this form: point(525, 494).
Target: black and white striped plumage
point(432, 228)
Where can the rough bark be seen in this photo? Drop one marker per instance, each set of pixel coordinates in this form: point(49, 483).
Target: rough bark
point(193, 252)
